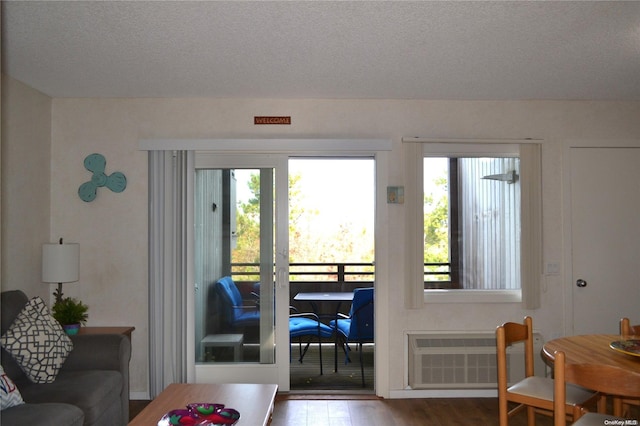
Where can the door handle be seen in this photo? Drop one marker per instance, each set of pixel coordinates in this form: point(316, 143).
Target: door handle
point(281, 277)
point(581, 283)
point(285, 254)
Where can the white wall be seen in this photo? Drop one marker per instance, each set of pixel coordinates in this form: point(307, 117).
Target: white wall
point(26, 153)
point(112, 230)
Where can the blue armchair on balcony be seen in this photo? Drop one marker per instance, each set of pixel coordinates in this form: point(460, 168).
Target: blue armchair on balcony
point(236, 316)
point(308, 324)
point(357, 327)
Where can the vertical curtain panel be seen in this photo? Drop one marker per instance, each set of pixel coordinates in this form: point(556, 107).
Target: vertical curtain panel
point(531, 271)
point(414, 238)
point(169, 210)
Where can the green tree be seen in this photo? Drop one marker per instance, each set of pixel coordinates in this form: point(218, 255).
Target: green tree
point(347, 243)
point(248, 222)
point(436, 223)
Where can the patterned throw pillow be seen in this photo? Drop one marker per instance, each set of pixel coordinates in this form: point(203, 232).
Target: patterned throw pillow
point(9, 393)
point(37, 342)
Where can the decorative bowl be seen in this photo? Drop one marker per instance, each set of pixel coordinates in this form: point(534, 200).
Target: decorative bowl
point(180, 417)
point(204, 409)
point(201, 414)
point(225, 416)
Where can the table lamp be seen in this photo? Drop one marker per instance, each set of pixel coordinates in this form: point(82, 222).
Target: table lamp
point(60, 264)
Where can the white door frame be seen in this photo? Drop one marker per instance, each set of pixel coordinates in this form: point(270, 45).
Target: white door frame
point(256, 372)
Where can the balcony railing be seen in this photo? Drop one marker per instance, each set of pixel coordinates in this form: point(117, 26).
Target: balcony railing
point(435, 273)
point(312, 272)
point(327, 277)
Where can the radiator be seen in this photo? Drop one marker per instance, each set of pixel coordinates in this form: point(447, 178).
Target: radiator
point(464, 360)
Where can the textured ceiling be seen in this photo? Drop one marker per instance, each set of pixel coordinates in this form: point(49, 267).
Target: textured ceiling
point(316, 49)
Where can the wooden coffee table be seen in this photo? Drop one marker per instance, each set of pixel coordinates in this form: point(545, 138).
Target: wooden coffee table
point(254, 402)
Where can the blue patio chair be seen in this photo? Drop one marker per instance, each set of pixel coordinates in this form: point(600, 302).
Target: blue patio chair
point(357, 327)
point(235, 314)
point(308, 324)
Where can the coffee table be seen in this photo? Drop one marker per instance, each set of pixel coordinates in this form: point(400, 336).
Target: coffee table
point(254, 402)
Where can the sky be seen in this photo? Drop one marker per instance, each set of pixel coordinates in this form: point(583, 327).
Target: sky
point(341, 190)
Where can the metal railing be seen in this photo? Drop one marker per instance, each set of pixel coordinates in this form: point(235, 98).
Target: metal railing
point(312, 272)
point(437, 275)
point(434, 273)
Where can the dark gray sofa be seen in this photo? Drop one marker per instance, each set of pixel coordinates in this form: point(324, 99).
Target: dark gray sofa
point(92, 387)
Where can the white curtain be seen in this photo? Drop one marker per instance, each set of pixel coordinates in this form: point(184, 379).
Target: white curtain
point(170, 224)
point(414, 216)
point(531, 224)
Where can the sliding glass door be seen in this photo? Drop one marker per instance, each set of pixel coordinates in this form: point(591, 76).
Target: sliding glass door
point(241, 269)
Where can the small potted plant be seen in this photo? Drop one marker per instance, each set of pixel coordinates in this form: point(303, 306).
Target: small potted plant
point(70, 313)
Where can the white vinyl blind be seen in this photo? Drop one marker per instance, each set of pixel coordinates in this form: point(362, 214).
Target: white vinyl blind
point(490, 224)
point(170, 222)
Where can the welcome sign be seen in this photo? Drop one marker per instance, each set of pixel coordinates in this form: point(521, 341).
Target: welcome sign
point(271, 120)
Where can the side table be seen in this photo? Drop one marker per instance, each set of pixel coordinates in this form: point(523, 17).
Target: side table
point(233, 340)
point(126, 330)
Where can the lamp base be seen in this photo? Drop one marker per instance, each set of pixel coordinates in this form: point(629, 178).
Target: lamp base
point(58, 293)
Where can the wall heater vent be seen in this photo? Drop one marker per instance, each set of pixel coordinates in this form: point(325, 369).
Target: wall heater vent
point(464, 361)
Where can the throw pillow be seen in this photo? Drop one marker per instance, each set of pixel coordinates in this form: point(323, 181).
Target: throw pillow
point(9, 393)
point(37, 342)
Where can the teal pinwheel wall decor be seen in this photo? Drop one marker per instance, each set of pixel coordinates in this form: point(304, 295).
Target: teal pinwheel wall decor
point(96, 163)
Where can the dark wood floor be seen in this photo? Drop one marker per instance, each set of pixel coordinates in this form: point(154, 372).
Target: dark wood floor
point(368, 410)
point(308, 410)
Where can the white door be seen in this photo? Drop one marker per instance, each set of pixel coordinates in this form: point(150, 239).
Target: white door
point(247, 194)
point(605, 237)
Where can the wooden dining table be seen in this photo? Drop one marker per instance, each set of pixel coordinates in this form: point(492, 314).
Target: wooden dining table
point(595, 349)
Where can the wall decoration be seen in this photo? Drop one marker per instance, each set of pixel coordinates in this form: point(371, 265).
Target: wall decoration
point(259, 120)
point(96, 163)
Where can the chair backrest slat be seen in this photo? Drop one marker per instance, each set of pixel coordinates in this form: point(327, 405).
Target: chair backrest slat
point(511, 332)
point(626, 329)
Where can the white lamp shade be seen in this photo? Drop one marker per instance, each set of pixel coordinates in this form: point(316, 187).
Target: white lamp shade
point(60, 262)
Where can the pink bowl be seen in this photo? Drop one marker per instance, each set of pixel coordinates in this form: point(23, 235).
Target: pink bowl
point(180, 417)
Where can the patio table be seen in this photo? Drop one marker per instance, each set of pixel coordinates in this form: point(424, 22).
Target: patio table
point(322, 296)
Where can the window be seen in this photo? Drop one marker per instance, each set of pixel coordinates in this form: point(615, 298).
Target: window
point(473, 214)
point(471, 223)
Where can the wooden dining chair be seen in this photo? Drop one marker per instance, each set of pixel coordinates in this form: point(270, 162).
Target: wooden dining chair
point(533, 393)
point(605, 378)
point(623, 405)
point(626, 329)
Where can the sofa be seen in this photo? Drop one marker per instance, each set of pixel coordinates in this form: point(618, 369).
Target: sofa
point(90, 388)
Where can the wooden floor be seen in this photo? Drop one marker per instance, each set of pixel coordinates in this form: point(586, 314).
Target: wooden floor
point(308, 410)
point(367, 410)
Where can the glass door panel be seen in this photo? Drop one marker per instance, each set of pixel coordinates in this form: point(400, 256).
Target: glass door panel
point(235, 270)
point(234, 263)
